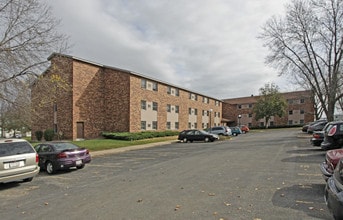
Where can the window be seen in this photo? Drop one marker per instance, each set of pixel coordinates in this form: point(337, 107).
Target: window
point(143, 83)
point(250, 105)
point(290, 122)
point(154, 106)
point(203, 112)
point(189, 125)
point(176, 125)
point(290, 112)
point(168, 90)
point(177, 92)
point(168, 125)
point(143, 125)
point(195, 111)
point(176, 109)
point(302, 111)
point(189, 111)
point(154, 125)
point(250, 115)
point(155, 86)
point(239, 106)
point(302, 101)
point(143, 104)
point(205, 100)
point(168, 108)
point(195, 125)
point(217, 103)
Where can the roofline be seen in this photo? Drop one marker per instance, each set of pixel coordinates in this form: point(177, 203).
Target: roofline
point(127, 71)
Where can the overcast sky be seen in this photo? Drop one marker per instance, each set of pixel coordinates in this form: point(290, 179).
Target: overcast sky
point(207, 46)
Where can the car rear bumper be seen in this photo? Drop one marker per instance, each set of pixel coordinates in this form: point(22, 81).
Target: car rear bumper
point(67, 163)
point(20, 176)
point(325, 145)
point(323, 168)
point(334, 199)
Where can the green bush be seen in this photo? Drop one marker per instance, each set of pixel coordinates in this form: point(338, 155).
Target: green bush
point(39, 135)
point(138, 135)
point(49, 134)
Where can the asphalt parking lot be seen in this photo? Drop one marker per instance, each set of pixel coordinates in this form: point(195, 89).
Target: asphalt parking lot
point(270, 174)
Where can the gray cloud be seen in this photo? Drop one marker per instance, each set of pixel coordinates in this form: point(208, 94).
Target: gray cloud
point(209, 46)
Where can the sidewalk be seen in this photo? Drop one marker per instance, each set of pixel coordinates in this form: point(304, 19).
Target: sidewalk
point(124, 149)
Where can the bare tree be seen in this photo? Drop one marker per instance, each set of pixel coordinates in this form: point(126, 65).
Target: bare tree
point(307, 43)
point(28, 35)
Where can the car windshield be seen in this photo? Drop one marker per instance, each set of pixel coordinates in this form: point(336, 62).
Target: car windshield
point(65, 146)
point(13, 148)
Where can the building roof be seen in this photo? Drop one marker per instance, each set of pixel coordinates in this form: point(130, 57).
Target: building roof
point(253, 99)
point(129, 72)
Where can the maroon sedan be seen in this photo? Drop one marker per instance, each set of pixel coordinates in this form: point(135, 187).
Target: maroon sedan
point(54, 156)
point(331, 159)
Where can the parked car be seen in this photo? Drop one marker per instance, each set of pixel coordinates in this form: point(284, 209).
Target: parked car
point(334, 192)
point(54, 156)
point(220, 130)
point(18, 161)
point(244, 129)
point(333, 136)
point(196, 135)
point(235, 131)
point(331, 159)
point(305, 127)
point(316, 127)
point(317, 138)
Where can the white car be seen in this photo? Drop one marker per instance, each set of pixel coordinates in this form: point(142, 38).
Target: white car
point(18, 161)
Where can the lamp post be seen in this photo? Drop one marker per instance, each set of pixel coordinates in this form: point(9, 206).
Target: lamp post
point(210, 119)
point(239, 120)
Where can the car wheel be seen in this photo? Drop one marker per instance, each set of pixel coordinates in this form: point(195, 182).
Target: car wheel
point(207, 139)
point(185, 140)
point(80, 167)
point(50, 169)
point(28, 179)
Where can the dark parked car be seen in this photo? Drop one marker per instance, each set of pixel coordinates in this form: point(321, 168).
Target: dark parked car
point(236, 131)
point(55, 156)
point(333, 136)
point(196, 135)
point(317, 138)
point(334, 192)
point(331, 159)
point(316, 127)
point(305, 127)
point(18, 161)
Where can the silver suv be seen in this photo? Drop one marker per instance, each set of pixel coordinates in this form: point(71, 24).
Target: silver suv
point(18, 161)
point(220, 130)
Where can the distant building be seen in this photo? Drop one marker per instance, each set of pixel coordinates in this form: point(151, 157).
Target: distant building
point(300, 110)
point(104, 98)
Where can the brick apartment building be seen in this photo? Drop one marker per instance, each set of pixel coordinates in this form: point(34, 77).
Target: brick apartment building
point(300, 110)
point(103, 98)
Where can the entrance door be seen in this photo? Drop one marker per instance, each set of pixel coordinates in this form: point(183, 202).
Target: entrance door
point(80, 130)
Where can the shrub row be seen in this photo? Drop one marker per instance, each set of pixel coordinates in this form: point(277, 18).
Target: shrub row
point(133, 136)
